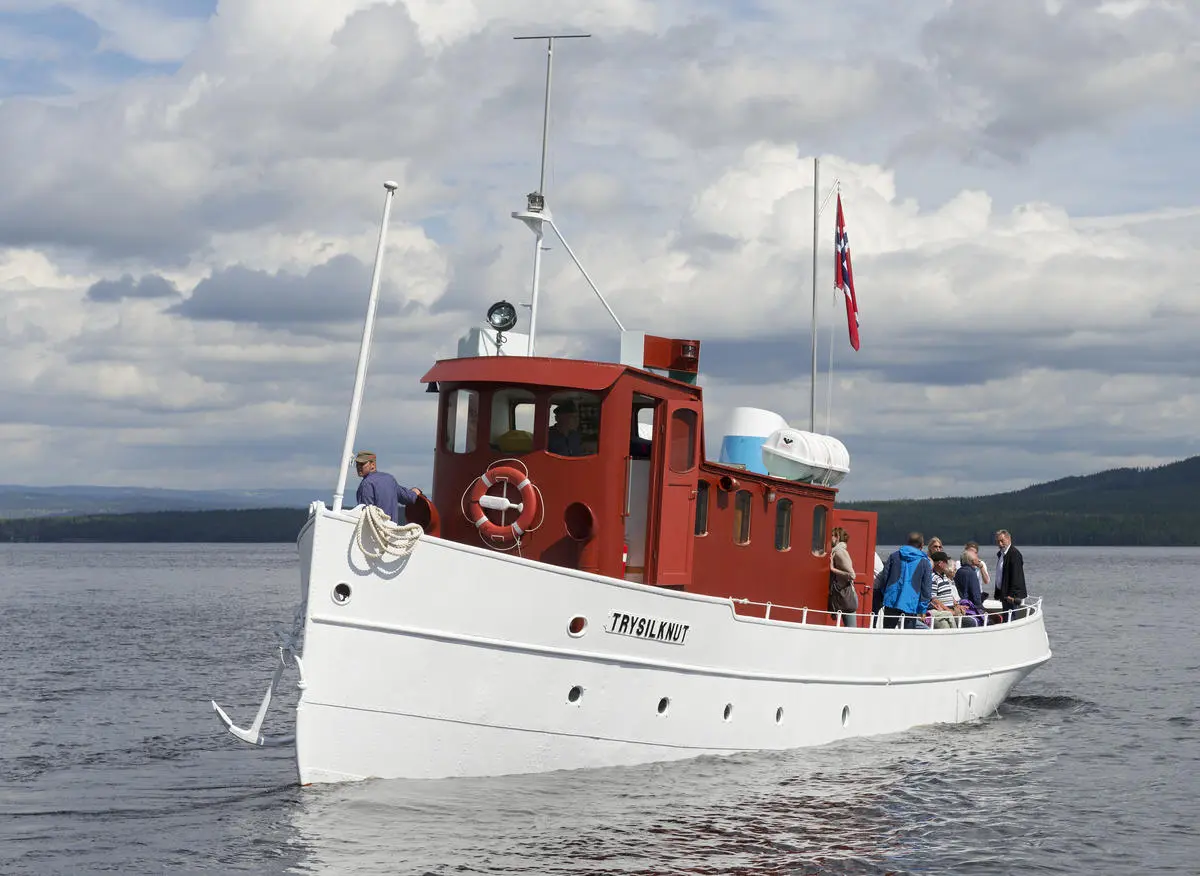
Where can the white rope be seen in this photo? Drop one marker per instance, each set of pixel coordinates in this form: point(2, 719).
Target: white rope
point(392, 538)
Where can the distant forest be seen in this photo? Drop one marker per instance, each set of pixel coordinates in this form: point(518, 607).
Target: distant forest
point(1124, 506)
point(1127, 506)
point(255, 525)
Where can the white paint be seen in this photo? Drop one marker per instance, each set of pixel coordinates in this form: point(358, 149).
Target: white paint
point(457, 661)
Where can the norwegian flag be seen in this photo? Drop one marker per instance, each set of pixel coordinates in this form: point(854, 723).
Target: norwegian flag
point(843, 273)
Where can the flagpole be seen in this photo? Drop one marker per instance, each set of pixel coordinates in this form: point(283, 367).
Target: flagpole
point(837, 186)
point(812, 394)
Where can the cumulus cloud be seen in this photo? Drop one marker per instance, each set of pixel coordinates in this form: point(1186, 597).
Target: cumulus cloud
point(323, 295)
point(149, 286)
point(1025, 312)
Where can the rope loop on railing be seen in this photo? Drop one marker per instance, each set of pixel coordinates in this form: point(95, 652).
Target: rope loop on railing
point(391, 539)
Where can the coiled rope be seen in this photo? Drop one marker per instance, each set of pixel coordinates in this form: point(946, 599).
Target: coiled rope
point(392, 539)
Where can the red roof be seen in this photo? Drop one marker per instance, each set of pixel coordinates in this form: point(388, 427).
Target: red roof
point(537, 370)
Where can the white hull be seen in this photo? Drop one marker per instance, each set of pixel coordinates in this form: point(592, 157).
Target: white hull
point(458, 662)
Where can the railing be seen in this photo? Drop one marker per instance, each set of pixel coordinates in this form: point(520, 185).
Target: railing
point(868, 620)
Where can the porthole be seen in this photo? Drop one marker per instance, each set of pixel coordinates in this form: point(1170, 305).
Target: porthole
point(728, 711)
point(845, 716)
point(577, 627)
point(575, 694)
point(341, 593)
point(663, 705)
point(779, 715)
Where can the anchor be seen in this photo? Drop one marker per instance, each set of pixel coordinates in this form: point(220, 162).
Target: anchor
point(254, 735)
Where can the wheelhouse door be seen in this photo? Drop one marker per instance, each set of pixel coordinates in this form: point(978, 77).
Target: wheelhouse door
point(676, 465)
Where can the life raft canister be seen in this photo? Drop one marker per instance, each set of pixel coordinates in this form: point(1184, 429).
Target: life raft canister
point(478, 499)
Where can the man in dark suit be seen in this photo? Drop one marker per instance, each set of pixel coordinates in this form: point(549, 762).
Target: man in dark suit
point(1010, 573)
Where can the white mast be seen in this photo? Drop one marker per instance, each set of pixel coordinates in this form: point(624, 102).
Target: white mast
point(536, 213)
point(812, 387)
point(818, 208)
point(364, 351)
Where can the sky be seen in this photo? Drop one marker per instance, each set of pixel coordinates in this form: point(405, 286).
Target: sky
point(192, 193)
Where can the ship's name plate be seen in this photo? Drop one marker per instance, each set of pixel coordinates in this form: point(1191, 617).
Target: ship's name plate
point(655, 629)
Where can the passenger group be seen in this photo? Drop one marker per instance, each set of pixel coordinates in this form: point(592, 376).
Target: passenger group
point(919, 587)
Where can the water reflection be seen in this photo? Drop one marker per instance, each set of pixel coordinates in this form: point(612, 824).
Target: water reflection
point(934, 798)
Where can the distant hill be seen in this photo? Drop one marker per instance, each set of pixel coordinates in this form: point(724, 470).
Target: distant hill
point(1123, 506)
point(250, 525)
point(24, 501)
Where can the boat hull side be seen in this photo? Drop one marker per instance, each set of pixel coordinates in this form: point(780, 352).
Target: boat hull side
point(458, 663)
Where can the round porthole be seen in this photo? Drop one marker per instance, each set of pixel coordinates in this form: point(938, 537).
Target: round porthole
point(663, 705)
point(845, 716)
point(577, 627)
point(341, 593)
point(575, 694)
point(779, 715)
point(728, 714)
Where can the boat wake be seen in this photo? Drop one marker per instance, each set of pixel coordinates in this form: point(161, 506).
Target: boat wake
point(1056, 703)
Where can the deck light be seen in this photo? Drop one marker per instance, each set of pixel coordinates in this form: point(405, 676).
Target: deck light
point(502, 316)
point(536, 202)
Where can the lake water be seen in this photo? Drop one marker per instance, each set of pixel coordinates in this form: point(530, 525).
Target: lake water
point(111, 758)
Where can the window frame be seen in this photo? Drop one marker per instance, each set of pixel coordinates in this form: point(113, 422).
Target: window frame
point(469, 420)
point(820, 533)
point(684, 424)
point(703, 496)
point(742, 516)
point(580, 397)
point(784, 508)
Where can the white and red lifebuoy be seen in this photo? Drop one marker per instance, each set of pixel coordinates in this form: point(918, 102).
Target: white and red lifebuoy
point(478, 500)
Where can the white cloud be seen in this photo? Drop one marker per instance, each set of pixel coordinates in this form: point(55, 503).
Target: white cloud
point(1007, 337)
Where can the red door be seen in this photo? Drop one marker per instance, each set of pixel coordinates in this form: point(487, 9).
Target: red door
point(860, 526)
point(676, 466)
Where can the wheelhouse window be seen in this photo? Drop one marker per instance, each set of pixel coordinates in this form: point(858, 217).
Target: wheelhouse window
point(683, 441)
point(574, 427)
point(512, 420)
point(783, 525)
point(819, 537)
point(462, 418)
point(641, 439)
point(741, 517)
point(702, 508)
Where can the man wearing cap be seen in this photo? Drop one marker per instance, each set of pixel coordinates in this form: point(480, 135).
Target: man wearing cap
point(381, 489)
point(564, 438)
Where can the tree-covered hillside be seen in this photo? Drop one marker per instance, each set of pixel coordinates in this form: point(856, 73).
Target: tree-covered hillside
point(1125, 506)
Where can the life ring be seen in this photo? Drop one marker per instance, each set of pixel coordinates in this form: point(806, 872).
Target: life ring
point(478, 500)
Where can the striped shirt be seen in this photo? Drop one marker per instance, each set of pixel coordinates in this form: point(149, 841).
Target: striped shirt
point(944, 590)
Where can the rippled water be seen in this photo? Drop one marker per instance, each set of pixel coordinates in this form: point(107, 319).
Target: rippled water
point(111, 759)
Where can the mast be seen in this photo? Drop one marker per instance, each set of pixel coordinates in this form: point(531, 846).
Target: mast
point(535, 213)
point(818, 208)
point(812, 387)
point(364, 351)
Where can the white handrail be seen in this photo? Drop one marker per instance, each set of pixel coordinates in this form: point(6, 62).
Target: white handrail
point(1030, 607)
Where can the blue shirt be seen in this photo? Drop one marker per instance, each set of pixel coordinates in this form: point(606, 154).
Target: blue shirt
point(380, 488)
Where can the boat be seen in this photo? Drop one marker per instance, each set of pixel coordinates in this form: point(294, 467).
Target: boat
point(611, 599)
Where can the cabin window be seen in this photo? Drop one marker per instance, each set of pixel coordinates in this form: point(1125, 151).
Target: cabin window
point(783, 525)
point(641, 439)
point(702, 508)
point(820, 539)
point(741, 517)
point(462, 417)
point(512, 420)
point(683, 440)
point(574, 427)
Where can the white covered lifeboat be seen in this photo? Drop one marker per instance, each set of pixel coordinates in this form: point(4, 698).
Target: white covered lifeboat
point(796, 455)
